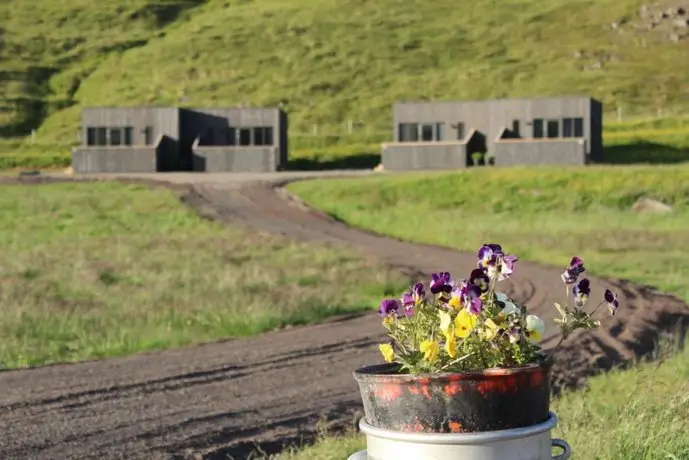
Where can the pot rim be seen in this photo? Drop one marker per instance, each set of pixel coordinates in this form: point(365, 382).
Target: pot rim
point(388, 371)
point(459, 438)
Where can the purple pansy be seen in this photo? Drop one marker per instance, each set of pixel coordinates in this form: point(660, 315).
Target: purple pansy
point(441, 282)
point(612, 301)
point(488, 253)
point(408, 299)
point(419, 291)
point(495, 263)
point(389, 307)
point(412, 298)
point(576, 268)
point(475, 306)
point(479, 279)
point(581, 292)
point(471, 297)
point(408, 303)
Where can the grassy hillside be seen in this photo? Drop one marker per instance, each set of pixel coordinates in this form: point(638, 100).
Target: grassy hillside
point(327, 61)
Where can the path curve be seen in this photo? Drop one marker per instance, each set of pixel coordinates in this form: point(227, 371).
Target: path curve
point(220, 400)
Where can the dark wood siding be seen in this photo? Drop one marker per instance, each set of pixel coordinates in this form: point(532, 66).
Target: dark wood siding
point(491, 117)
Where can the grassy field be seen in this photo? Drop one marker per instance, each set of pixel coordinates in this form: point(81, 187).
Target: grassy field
point(546, 215)
point(639, 414)
point(328, 62)
point(103, 269)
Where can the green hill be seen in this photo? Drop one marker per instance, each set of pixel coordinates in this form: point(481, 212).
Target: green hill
point(328, 61)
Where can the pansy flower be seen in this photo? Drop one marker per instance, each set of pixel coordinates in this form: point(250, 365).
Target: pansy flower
point(506, 267)
point(488, 253)
point(509, 307)
point(581, 292)
point(612, 301)
point(473, 300)
point(465, 322)
point(491, 329)
point(387, 351)
point(445, 321)
point(489, 256)
point(479, 279)
point(419, 292)
point(408, 300)
point(430, 350)
point(457, 296)
point(494, 262)
point(412, 298)
point(450, 344)
point(441, 283)
point(535, 328)
point(389, 307)
point(470, 296)
point(576, 268)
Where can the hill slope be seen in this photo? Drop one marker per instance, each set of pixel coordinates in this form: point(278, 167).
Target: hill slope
point(327, 61)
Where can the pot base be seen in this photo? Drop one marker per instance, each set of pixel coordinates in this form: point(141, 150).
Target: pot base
point(528, 443)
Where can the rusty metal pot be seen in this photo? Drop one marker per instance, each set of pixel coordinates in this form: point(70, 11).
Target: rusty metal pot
point(471, 402)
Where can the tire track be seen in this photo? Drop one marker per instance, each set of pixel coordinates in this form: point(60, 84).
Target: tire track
point(221, 399)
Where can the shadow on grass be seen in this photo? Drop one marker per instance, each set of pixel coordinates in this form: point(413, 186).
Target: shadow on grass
point(644, 152)
point(355, 161)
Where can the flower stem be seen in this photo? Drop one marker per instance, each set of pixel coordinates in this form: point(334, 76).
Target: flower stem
point(596, 309)
point(458, 360)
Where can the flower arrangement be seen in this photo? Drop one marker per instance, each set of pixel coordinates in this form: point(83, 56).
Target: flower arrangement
point(468, 325)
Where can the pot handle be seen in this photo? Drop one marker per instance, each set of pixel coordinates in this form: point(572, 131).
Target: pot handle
point(566, 450)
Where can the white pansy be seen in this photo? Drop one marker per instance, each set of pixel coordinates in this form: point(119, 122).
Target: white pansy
point(510, 307)
point(535, 328)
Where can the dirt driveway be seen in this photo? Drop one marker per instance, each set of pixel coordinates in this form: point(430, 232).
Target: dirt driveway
point(219, 400)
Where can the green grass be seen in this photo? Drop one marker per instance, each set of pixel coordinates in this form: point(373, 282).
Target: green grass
point(328, 61)
point(104, 269)
point(638, 414)
point(548, 215)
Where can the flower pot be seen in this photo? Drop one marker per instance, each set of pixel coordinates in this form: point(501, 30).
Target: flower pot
point(488, 400)
point(529, 443)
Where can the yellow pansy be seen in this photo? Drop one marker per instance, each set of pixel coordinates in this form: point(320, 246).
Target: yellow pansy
point(491, 329)
point(387, 351)
point(430, 350)
point(445, 321)
point(455, 302)
point(451, 344)
point(465, 322)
